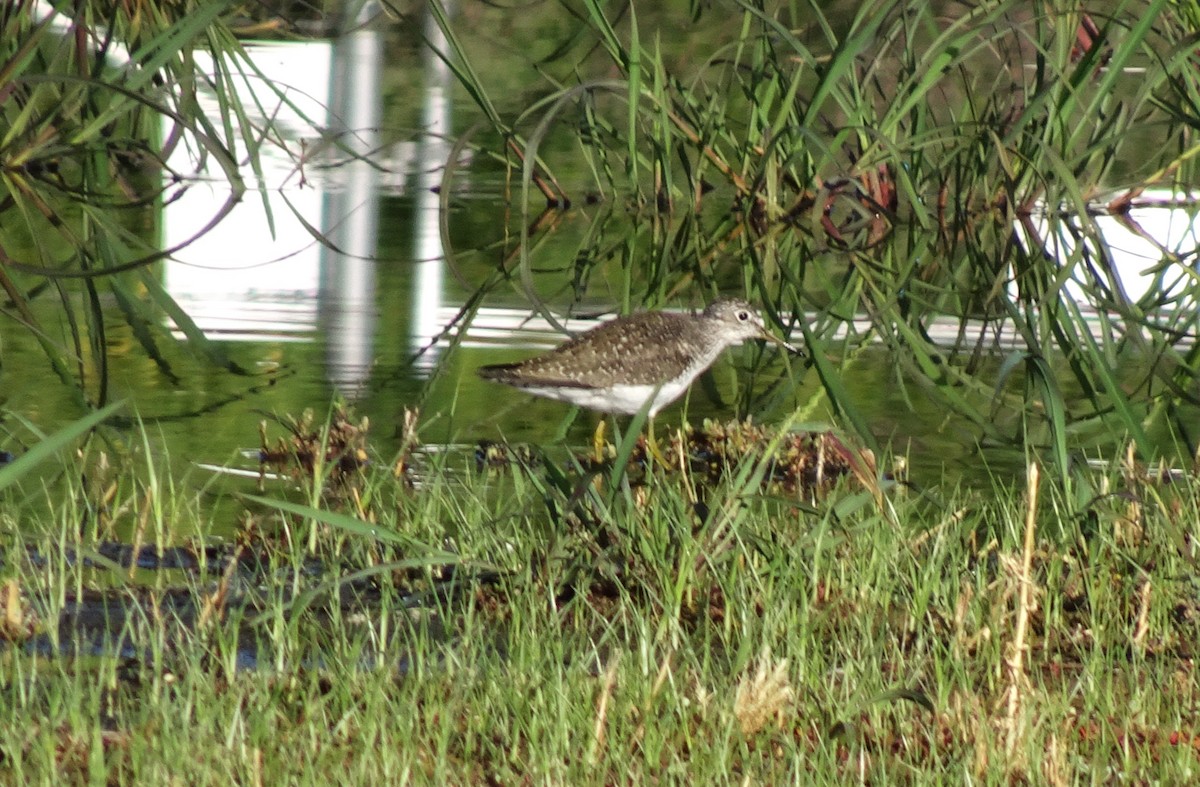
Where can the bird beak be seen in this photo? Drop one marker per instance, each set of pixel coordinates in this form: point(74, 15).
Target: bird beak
point(773, 339)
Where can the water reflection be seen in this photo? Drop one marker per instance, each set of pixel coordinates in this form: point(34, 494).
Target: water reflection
point(325, 171)
point(429, 254)
point(302, 242)
point(348, 262)
point(255, 275)
point(1141, 243)
point(299, 252)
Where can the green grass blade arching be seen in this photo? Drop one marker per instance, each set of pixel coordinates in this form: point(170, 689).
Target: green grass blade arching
point(356, 527)
point(27, 462)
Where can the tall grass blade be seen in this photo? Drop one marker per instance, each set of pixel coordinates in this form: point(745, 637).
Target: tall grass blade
point(25, 464)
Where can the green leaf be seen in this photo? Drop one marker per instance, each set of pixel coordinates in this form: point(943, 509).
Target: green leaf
point(355, 527)
point(12, 473)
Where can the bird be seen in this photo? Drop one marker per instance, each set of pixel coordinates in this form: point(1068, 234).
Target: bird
point(643, 360)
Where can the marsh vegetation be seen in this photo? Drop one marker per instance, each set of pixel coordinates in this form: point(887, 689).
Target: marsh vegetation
point(917, 192)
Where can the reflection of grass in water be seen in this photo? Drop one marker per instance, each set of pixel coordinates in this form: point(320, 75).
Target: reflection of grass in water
point(852, 636)
point(84, 158)
point(870, 160)
point(876, 161)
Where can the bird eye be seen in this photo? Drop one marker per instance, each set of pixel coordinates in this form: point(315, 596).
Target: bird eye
point(743, 315)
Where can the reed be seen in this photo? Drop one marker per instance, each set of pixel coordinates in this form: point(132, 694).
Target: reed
point(500, 624)
point(886, 161)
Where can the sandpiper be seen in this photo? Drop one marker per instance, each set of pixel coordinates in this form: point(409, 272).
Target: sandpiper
point(619, 366)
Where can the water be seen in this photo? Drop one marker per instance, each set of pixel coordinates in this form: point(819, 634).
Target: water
point(351, 265)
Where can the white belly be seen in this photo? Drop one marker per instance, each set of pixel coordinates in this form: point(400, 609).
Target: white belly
point(624, 399)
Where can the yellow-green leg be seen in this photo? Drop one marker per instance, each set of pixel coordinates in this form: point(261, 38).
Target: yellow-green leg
point(652, 445)
point(598, 442)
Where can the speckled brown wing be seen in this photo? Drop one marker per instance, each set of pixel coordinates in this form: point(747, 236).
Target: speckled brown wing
point(641, 349)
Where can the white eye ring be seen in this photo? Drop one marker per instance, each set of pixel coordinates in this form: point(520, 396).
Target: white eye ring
point(743, 315)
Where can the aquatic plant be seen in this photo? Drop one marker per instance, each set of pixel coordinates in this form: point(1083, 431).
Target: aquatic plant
point(897, 173)
point(95, 98)
point(472, 627)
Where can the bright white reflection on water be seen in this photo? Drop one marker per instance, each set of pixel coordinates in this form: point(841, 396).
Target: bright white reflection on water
point(434, 149)
point(255, 275)
point(262, 275)
point(348, 276)
point(1151, 246)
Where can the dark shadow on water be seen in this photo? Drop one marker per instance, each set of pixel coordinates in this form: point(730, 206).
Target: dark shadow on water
point(237, 591)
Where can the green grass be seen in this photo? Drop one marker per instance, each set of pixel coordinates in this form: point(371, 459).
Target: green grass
point(877, 159)
point(539, 624)
point(867, 160)
point(515, 626)
point(85, 135)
